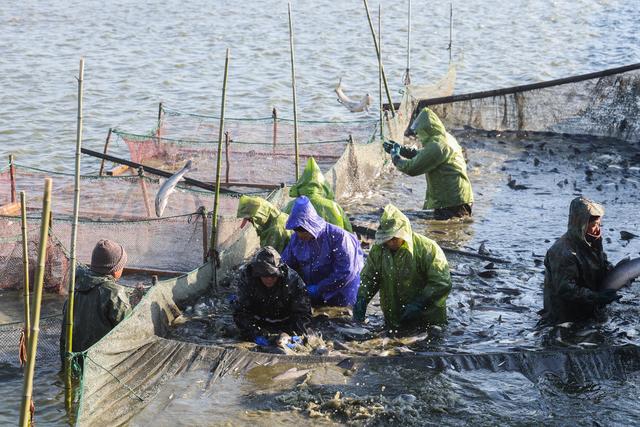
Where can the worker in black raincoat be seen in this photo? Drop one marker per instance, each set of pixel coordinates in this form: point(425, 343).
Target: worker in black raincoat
point(575, 266)
point(272, 299)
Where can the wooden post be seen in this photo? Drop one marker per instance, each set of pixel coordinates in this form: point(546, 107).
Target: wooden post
point(407, 77)
point(74, 232)
point(205, 233)
point(214, 228)
point(25, 264)
point(450, 30)
point(106, 148)
point(159, 127)
point(145, 193)
point(293, 88)
point(375, 42)
point(27, 389)
point(12, 176)
point(227, 143)
point(274, 114)
point(380, 72)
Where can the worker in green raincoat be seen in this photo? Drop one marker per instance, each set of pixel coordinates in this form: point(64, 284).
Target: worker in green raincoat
point(575, 266)
point(268, 221)
point(313, 184)
point(411, 273)
point(442, 161)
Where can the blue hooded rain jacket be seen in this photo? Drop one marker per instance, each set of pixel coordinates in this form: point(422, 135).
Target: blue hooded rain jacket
point(331, 261)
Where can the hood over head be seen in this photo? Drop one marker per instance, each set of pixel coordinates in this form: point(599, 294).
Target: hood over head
point(580, 211)
point(311, 183)
point(304, 215)
point(427, 125)
point(259, 210)
point(393, 223)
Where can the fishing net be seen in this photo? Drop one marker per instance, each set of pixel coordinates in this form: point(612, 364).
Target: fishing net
point(48, 340)
point(256, 151)
point(603, 104)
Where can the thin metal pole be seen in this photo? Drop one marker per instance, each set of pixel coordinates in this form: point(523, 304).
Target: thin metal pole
point(450, 29)
point(293, 88)
point(25, 264)
point(106, 148)
point(12, 176)
point(380, 71)
point(74, 229)
point(407, 76)
point(27, 394)
point(214, 229)
point(375, 42)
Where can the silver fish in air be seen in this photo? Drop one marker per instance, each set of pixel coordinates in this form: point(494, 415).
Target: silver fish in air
point(169, 187)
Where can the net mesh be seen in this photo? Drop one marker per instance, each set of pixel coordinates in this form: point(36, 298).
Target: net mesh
point(258, 151)
point(603, 104)
point(48, 340)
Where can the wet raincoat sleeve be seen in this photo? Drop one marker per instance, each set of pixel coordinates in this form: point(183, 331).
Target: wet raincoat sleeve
point(438, 278)
point(117, 306)
point(426, 160)
point(348, 263)
point(369, 277)
point(300, 306)
point(243, 314)
point(288, 257)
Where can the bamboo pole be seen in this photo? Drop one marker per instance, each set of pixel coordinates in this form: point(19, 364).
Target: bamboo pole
point(25, 264)
point(450, 30)
point(74, 231)
point(12, 175)
point(407, 77)
point(159, 126)
point(25, 418)
point(106, 148)
point(380, 72)
point(214, 228)
point(293, 88)
point(145, 192)
point(375, 42)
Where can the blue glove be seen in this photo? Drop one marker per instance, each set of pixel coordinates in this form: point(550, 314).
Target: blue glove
point(232, 298)
point(296, 339)
point(313, 291)
point(262, 341)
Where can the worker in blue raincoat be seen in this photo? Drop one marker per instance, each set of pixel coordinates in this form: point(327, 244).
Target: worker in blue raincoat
point(327, 257)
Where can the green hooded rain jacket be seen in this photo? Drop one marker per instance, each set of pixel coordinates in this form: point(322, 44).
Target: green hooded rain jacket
point(574, 268)
point(442, 161)
point(417, 273)
point(268, 221)
point(313, 184)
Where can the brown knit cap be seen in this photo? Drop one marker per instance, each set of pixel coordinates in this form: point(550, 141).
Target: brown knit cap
point(108, 257)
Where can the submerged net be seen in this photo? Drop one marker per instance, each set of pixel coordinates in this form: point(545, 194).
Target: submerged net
point(603, 104)
point(257, 151)
point(48, 340)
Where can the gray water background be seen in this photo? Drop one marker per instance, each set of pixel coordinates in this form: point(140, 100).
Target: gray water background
point(140, 53)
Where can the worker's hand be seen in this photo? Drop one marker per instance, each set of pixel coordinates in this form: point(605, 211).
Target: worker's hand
point(313, 291)
point(261, 341)
point(388, 145)
point(359, 310)
point(607, 297)
point(295, 341)
point(411, 312)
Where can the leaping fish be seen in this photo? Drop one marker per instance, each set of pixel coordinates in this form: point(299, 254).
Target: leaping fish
point(353, 106)
point(169, 187)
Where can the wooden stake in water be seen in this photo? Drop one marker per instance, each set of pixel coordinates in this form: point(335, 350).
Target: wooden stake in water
point(74, 229)
point(450, 30)
point(214, 229)
point(407, 77)
point(35, 321)
point(293, 88)
point(25, 265)
point(380, 72)
point(106, 149)
point(375, 42)
point(12, 177)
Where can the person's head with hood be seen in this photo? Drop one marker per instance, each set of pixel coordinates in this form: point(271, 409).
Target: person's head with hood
point(304, 220)
point(584, 219)
point(426, 126)
point(394, 230)
point(257, 211)
point(108, 258)
point(311, 183)
point(267, 265)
